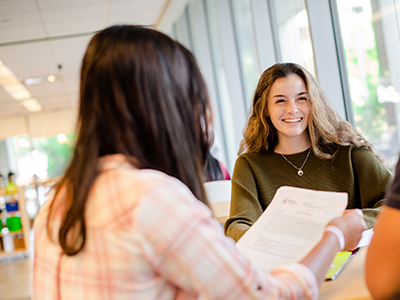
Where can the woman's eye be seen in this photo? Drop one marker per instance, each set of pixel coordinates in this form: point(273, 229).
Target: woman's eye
point(279, 101)
point(303, 99)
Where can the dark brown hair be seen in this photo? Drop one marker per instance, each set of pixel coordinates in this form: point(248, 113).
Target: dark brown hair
point(325, 127)
point(141, 95)
point(212, 169)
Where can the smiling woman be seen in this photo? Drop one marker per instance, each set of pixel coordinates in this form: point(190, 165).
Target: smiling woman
point(295, 138)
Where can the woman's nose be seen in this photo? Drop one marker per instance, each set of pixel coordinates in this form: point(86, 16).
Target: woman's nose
point(292, 107)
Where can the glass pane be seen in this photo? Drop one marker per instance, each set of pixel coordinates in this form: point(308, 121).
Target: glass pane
point(293, 30)
point(246, 43)
point(57, 150)
point(47, 157)
point(18, 152)
point(371, 41)
point(226, 114)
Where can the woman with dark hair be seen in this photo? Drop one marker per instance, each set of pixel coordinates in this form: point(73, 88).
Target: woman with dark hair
point(294, 137)
point(212, 169)
point(129, 219)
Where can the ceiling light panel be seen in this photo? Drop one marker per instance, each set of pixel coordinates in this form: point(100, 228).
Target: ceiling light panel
point(32, 105)
point(12, 84)
point(5, 97)
point(18, 91)
point(33, 81)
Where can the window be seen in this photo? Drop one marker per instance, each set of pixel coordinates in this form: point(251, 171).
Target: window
point(57, 151)
point(243, 22)
point(371, 43)
point(221, 84)
point(47, 157)
point(292, 32)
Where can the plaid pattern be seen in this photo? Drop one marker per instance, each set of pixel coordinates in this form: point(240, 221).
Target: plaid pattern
point(149, 238)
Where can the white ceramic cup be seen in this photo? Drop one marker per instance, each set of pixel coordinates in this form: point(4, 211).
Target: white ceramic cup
point(8, 243)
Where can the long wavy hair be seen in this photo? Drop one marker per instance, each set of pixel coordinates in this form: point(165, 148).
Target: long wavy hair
point(325, 127)
point(141, 95)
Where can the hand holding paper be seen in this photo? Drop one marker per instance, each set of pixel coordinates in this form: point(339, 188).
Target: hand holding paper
point(291, 226)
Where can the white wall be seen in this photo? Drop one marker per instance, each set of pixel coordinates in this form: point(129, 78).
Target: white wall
point(52, 123)
point(39, 124)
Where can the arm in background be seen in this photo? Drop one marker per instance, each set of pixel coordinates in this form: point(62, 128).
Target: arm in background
point(383, 256)
point(383, 260)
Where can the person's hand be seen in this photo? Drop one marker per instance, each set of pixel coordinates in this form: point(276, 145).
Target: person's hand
point(352, 224)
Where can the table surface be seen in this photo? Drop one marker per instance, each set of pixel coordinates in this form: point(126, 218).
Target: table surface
point(350, 283)
point(220, 210)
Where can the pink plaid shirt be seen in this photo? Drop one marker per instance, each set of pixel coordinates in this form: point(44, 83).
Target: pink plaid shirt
point(149, 238)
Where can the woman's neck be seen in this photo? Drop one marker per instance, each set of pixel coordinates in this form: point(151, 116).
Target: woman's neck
point(292, 146)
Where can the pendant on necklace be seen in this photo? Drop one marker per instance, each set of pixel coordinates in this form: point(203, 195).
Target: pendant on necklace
point(300, 172)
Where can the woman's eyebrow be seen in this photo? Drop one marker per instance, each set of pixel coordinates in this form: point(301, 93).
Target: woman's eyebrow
point(302, 93)
point(278, 96)
point(299, 94)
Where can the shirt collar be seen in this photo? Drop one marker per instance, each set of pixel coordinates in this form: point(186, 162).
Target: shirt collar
point(113, 161)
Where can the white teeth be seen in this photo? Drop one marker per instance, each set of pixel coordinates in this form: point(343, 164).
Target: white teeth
point(292, 120)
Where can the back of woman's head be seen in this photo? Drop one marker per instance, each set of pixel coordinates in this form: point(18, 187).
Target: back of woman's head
point(325, 127)
point(142, 95)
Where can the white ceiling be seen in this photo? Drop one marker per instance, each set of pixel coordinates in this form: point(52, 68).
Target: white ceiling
point(38, 35)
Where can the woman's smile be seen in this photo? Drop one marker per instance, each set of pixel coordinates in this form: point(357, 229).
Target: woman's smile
point(296, 120)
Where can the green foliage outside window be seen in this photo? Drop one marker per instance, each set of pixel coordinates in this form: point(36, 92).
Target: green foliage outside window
point(58, 154)
point(370, 115)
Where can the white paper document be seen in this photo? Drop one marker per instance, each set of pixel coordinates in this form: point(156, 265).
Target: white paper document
point(291, 226)
point(365, 238)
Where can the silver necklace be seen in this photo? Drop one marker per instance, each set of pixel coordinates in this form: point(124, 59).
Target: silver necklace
point(300, 172)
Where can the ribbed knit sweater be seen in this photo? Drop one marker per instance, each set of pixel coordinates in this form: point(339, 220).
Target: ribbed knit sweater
point(256, 178)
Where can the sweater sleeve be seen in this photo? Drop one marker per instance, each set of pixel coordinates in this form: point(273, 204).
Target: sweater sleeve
point(245, 207)
point(373, 181)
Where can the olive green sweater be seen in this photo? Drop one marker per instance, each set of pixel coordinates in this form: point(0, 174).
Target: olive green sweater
point(256, 177)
